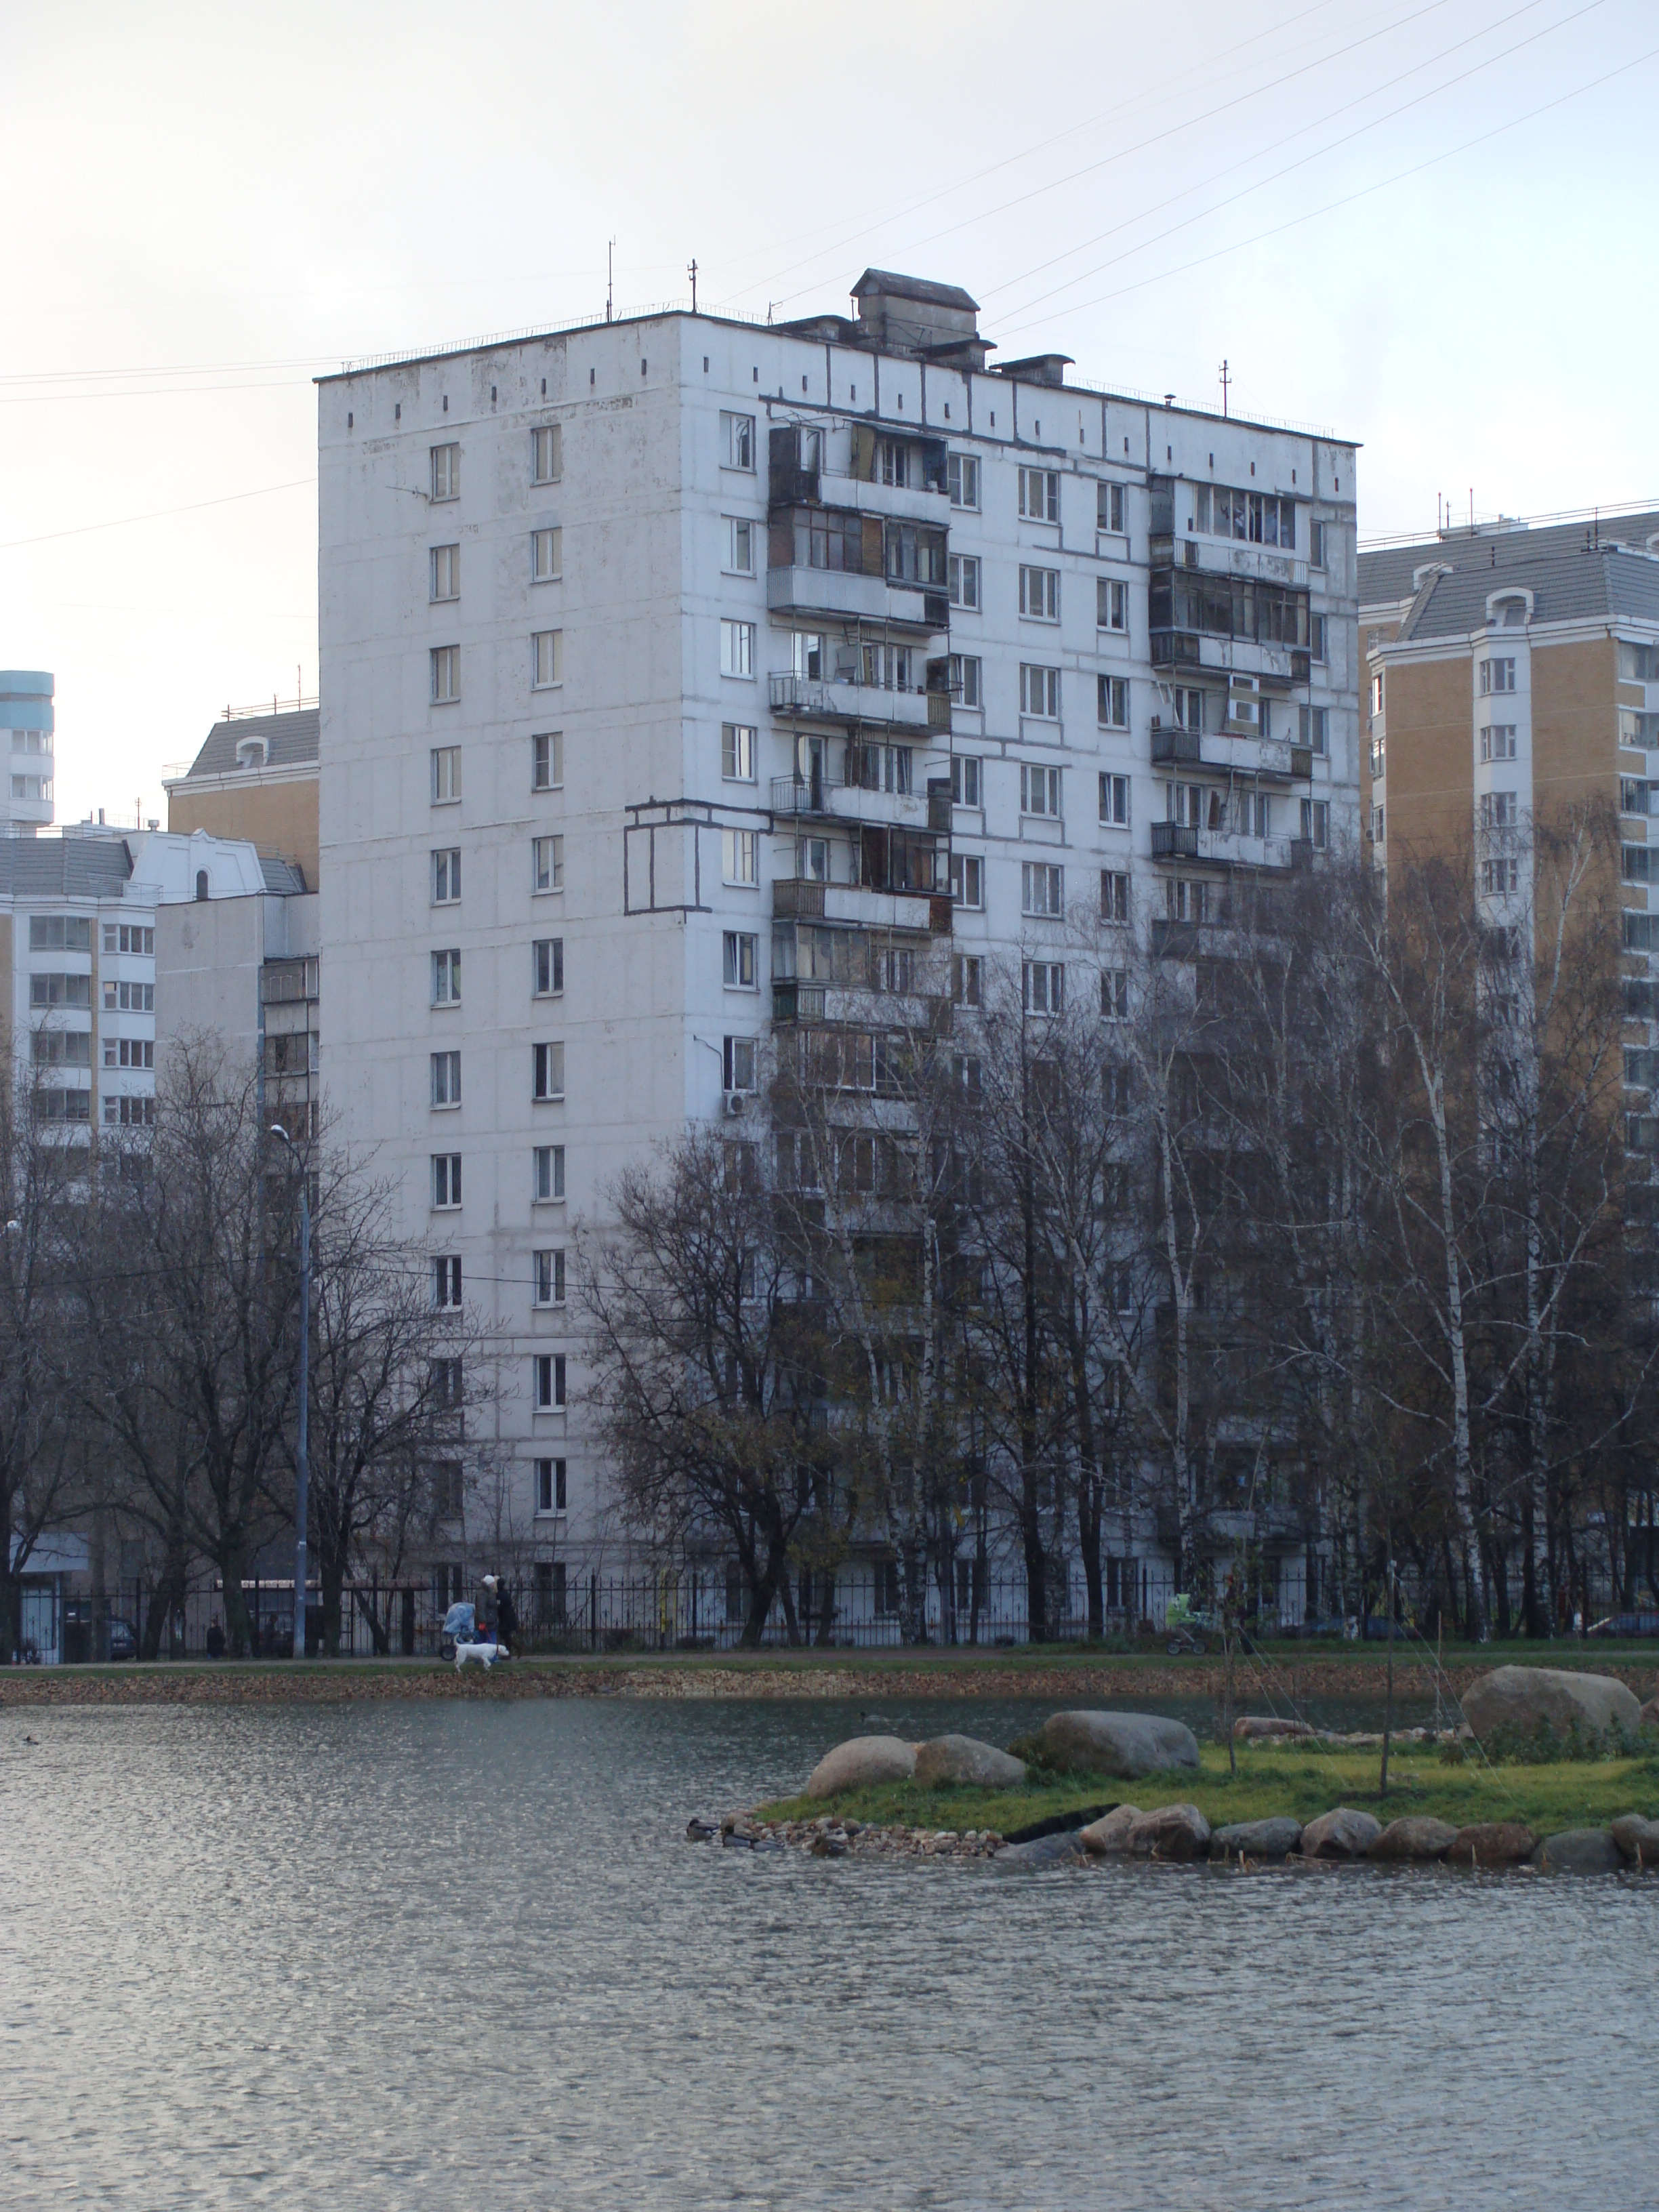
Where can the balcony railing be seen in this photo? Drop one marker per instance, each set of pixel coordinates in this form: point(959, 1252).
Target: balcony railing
point(1173, 840)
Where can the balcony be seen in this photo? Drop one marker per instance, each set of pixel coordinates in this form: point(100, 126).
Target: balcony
point(793, 1002)
point(860, 906)
point(866, 704)
point(1226, 849)
point(1233, 756)
point(845, 595)
point(828, 797)
point(1281, 666)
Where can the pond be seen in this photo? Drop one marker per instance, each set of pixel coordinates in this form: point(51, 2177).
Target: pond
point(458, 1954)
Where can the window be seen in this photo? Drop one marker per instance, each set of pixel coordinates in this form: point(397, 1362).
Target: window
point(1039, 692)
point(1319, 636)
point(739, 546)
point(547, 658)
point(446, 1179)
point(1039, 789)
point(1108, 507)
point(446, 775)
point(738, 1063)
point(548, 1277)
point(1376, 695)
point(447, 1387)
point(1043, 987)
point(547, 761)
point(1187, 900)
point(547, 966)
point(1039, 594)
point(1188, 708)
point(1115, 994)
point(446, 674)
point(965, 680)
point(1112, 702)
point(1634, 794)
point(1498, 742)
point(1314, 726)
point(737, 440)
point(551, 1498)
point(1111, 604)
point(446, 876)
point(69, 932)
point(547, 1173)
point(1641, 931)
point(968, 880)
point(967, 979)
point(964, 581)
point(126, 1052)
point(1115, 801)
point(1114, 895)
point(118, 937)
point(807, 657)
point(736, 752)
point(546, 556)
point(737, 648)
point(1316, 823)
point(1041, 889)
point(447, 978)
point(741, 856)
point(549, 1372)
point(915, 555)
point(547, 453)
point(887, 667)
point(812, 859)
point(1379, 824)
point(893, 462)
point(1262, 518)
point(966, 781)
point(547, 864)
point(737, 961)
point(73, 1049)
point(961, 479)
point(1498, 877)
point(446, 1281)
point(65, 991)
point(1316, 545)
point(119, 998)
point(1636, 866)
point(1497, 676)
point(546, 1072)
point(1497, 810)
point(123, 1113)
point(446, 1078)
point(1039, 495)
point(446, 572)
point(446, 472)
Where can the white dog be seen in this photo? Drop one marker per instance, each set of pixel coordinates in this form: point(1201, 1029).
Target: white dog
point(482, 1655)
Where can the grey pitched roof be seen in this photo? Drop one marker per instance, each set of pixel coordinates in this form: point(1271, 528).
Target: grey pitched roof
point(1385, 572)
point(1567, 587)
point(915, 288)
point(64, 867)
point(291, 741)
point(281, 876)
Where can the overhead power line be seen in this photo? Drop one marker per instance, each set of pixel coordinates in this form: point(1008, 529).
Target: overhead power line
point(156, 514)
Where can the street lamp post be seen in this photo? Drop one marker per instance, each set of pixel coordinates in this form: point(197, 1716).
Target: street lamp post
point(302, 1475)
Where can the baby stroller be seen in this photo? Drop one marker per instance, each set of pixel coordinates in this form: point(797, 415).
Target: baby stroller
point(460, 1625)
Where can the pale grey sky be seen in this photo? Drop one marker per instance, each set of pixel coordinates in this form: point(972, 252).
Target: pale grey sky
point(207, 204)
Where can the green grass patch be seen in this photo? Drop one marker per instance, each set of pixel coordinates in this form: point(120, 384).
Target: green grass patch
point(1280, 1779)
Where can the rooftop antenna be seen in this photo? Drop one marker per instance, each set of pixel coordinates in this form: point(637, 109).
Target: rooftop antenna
point(1226, 379)
point(610, 277)
point(1471, 510)
point(692, 273)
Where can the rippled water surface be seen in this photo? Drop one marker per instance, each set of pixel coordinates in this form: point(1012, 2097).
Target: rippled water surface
point(458, 1954)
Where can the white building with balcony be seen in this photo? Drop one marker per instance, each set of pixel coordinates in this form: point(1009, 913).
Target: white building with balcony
point(27, 722)
point(670, 668)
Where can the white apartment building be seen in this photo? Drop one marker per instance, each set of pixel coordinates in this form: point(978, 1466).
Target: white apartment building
point(26, 720)
point(662, 660)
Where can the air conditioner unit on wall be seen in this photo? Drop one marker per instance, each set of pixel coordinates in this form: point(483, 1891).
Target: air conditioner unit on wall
point(733, 1101)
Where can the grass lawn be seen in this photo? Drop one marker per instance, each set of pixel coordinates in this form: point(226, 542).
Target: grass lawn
point(1273, 1779)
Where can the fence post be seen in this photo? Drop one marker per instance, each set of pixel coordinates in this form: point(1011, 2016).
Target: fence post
point(593, 1607)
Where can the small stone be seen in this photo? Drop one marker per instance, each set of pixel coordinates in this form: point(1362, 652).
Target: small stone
point(1044, 1850)
point(1274, 1838)
point(1491, 1843)
point(1638, 1839)
point(1264, 1727)
point(1342, 1833)
point(1170, 1832)
point(1414, 1836)
point(1579, 1851)
point(1111, 1831)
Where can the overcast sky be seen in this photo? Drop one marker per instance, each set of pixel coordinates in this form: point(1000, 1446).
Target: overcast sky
point(1421, 223)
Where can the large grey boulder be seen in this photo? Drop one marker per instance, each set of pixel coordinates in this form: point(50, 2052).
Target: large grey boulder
point(1491, 1843)
point(1111, 1831)
point(861, 1760)
point(1170, 1832)
point(1579, 1851)
point(1520, 1697)
point(1650, 1711)
point(1638, 1839)
point(965, 1758)
point(1342, 1833)
point(1045, 1850)
point(1124, 1744)
point(1274, 1838)
point(1414, 1836)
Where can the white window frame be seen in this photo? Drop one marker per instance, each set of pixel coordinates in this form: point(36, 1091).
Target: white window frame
point(1115, 994)
point(962, 481)
point(547, 761)
point(736, 649)
point(967, 979)
point(1041, 684)
point(1316, 729)
point(446, 1281)
point(546, 866)
point(1113, 801)
point(445, 1081)
point(547, 453)
point(547, 1073)
point(740, 742)
point(546, 659)
point(1042, 889)
point(547, 555)
point(1114, 896)
point(445, 667)
point(446, 876)
point(968, 680)
point(446, 775)
point(740, 858)
point(446, 1183)
point(1109, 508)
point(444, 574)
point(1039, 594)
point(967, 780)
point(963, 581)
point(1111, 604)
point(1112, 702)
point(1040, 791)
point(1039, 495)
point(737, 440)
point(547, 1276)
point(548, 1379)
point(740, 1065)
point(1498, 676)
point(546, 1175)
point(968, 881)
point(547, 958)
point(1043, 987)
point(739, 950)
point(739, 544)
point(446, 472)
point(447, 976)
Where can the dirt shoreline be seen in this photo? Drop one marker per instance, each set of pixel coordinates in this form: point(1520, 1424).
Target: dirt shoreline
point(1069, 1681)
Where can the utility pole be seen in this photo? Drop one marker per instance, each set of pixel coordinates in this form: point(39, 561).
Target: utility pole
point(692, 273)
point(610, 276)
point(1226, 379)
point(302, 1469)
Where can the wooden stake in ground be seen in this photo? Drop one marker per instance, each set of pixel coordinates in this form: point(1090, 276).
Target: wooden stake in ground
point(1387, 1710)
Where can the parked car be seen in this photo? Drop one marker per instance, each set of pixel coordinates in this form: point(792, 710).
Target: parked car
point(122, 1643)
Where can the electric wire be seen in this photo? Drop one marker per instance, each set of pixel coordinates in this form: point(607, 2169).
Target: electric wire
point(156, 514)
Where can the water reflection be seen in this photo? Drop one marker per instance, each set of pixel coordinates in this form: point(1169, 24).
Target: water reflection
point(458, 1954)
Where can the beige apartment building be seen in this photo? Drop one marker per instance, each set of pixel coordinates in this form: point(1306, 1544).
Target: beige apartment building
point(255, 778)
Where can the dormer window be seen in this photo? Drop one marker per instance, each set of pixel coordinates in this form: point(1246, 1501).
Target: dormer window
point(1511, 610)
point(250, 752)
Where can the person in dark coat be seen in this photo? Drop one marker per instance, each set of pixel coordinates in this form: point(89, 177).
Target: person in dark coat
point(507, 1615)
point(487, 1609)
